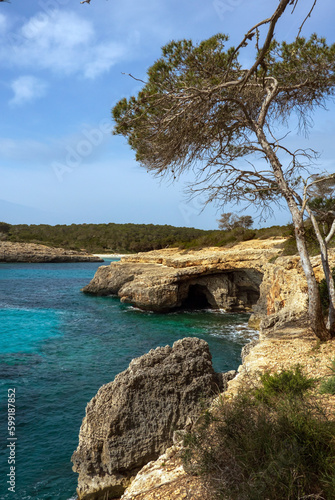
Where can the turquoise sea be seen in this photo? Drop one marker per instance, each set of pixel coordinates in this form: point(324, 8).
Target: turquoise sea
point(58, 346)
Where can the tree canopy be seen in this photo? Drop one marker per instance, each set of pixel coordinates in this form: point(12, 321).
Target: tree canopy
point(193, 113)
point(201, 109)
point(229, 221)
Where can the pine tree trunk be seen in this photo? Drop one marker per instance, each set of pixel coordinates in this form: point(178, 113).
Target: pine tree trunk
point(314, 303)
point(327, 273)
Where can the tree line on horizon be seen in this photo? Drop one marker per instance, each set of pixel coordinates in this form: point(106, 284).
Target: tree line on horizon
point(129, 238)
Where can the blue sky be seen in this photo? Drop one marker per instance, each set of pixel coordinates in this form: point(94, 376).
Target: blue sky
point(61, 65)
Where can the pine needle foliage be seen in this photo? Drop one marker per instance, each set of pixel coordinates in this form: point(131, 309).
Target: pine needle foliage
point(328, 385)
point(201, 110)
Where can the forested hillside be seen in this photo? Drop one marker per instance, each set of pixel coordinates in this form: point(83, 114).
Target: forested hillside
point(127, 238)
point(102, 237)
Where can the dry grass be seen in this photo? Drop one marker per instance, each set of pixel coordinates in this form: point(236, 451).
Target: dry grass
point(286, 352)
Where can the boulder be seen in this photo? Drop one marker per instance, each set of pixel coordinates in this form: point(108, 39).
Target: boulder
point(166, 479)
point(131, 421)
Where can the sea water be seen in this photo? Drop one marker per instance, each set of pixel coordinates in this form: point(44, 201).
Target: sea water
point(57, 347)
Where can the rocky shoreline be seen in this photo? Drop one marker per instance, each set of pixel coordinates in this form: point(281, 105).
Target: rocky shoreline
point(166, 477)
point(146, 410)
point(132, 420)
point(34, 253)
point(251, 277)
point(123, 421)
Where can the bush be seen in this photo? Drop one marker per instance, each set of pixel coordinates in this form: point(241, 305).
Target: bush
point(281, 447)
point(290, 246)
point(289, 383)
point(328, 385)
point(4, 227)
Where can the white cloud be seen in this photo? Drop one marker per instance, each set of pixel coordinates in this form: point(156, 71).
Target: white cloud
point(27, 88)
point(104, 57)
point(3, 23)
point(62, 42)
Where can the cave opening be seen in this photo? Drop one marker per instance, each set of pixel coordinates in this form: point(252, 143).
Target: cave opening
point(196, 298)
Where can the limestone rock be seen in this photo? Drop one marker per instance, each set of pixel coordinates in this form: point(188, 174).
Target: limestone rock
point(131, 421)
point(225, 377)
point(168, 279)
point(245, 351)
point(283, 302)
point(31, 252)
point(165, 479)
point(249, 277)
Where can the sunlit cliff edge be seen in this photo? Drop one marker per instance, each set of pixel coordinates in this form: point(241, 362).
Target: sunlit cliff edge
point(252, 276)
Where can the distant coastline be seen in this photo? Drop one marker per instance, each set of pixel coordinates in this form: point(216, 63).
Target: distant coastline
point(36, 253)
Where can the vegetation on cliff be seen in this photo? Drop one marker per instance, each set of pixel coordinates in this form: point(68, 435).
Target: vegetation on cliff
point(328, 384)
point(271, 442)
point(104, 238)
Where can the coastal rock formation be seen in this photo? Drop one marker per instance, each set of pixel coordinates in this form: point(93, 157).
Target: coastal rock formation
point(131, 421)
point(164, 280)
point(31, 252)
point(249, 277)
point(166, 479)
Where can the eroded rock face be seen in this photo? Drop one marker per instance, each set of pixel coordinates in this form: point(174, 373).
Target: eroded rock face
point(131, 420)
point(230, 290)
point(249, 277)
point(31, 252)
point(283, 303)
point(166, 479)
point(164, 280)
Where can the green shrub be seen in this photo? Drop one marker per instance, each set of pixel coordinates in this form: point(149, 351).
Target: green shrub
point(327, 386)
point(4, 227)
point(248, 234)
point(290, 246)
point(279, 449)
point(291, 383)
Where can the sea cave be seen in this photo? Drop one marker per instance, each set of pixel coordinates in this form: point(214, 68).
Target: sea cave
point(233, 291)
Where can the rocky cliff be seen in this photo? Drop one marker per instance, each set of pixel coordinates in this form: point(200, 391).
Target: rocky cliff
point(31, 252)
point(132, 420)
point(168, 279)
point(251, 277)
point(165, 478)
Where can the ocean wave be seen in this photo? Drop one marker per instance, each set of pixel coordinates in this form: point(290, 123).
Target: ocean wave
point(137, 309)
